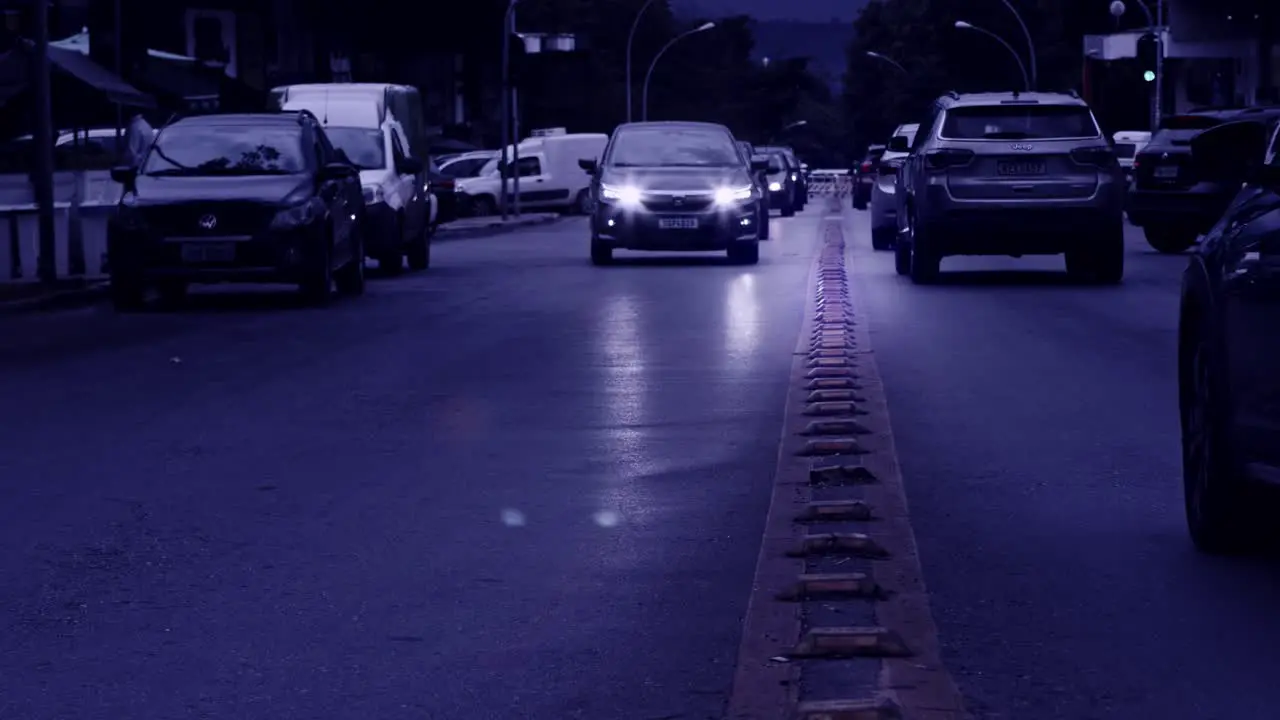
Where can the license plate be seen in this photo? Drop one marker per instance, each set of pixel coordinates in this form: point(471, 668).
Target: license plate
point(677, 224)
point(1167, 172)
point(1021, 167)
point(199, 252)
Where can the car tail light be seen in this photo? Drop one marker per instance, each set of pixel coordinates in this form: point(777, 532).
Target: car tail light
point(943, 159)
point(1100, 156)
point(866, 166)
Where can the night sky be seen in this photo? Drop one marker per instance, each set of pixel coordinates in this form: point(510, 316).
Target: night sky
point(809, 10)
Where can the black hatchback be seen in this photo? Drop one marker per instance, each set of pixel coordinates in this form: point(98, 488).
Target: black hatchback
point(238, 198)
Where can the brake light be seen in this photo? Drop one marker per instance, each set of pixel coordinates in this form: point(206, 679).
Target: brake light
point(866, 167)
point(1100, 156)
point(943, 159)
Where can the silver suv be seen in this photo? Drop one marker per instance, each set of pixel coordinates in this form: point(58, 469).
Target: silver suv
point(1011, 174)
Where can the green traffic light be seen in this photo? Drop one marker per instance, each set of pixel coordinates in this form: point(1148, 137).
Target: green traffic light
point(1149, 76)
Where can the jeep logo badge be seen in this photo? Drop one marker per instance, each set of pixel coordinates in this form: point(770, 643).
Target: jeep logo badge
point(677, 200)
point(1023, 147)
point(208, 222)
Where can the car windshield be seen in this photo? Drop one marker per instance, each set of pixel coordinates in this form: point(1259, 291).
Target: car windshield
point(673, 147)
point(1019, 122)
point(231, 149)
point(1179, 137)
point(365, 148)
point(466, 167)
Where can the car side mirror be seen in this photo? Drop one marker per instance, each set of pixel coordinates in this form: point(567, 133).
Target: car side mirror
point(337, 171)
point(1231, 152)
point(589, 165)
point(125, 175)
point(409, 166)
point(899, 144)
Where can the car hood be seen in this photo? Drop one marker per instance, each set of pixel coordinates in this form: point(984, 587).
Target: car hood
point(692, 180)
point(251, 188)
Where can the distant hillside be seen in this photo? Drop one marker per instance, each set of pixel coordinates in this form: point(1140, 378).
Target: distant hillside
point(803, 10)
point(823, 42)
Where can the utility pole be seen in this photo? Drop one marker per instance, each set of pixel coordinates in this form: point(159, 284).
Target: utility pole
point(503, 161)
point(1158, 108)
point(117, 29)
point(42, 179)
point(515, 150)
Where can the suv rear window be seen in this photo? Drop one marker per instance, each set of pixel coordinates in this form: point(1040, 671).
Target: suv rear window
point(1174, 137)
point(1018, 122)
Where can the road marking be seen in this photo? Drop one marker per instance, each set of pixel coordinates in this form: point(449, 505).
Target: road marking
point(834, 376)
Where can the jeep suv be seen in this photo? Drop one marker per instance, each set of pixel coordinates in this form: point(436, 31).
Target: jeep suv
point(1011, 174)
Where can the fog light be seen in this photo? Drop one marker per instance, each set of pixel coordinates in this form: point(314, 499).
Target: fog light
point(610, 223)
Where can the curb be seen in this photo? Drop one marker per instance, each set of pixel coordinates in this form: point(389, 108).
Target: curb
point(58, 300)
point(496, 227)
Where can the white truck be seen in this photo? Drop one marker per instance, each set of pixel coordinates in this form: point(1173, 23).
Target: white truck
point(549, 174)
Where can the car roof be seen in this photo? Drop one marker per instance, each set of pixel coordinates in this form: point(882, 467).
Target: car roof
point(258, 119)
point(980, 99)
point(673, 124)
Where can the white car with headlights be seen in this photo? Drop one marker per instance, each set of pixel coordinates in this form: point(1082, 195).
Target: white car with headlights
point(674, 186)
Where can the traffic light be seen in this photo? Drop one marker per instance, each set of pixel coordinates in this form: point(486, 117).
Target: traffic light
point(1148, 56)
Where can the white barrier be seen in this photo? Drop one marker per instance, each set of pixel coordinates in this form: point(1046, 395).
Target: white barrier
point(830, 185)
point(80, 228)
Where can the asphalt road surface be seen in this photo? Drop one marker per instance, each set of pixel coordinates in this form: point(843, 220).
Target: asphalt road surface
point(1036, 424)
point(515, 486)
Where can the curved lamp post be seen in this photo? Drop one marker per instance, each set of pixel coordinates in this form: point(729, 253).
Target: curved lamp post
point(1031, 45)
point(785, 128)
point(886, 59)
point(644, 93)
point(1026, 77)
point(631, 38)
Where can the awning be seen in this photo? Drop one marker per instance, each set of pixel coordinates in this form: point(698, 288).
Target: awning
point(15, 75)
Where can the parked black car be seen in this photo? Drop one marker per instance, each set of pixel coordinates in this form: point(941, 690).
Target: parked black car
point(227, 198)
point(864, 176)
point(795, 172)
point(1229, 392)
point(1171, 199)
point(676, 187)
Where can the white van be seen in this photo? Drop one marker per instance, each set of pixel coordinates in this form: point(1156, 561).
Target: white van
point(550, 177)
point(399, 212)
point(1128, 143)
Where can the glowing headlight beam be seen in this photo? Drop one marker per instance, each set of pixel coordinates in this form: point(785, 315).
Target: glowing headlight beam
point(626, 194)
point(775, 187)
point(728, 196)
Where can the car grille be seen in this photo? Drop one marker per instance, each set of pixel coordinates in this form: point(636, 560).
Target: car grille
point(677, 203)
point(230, 218)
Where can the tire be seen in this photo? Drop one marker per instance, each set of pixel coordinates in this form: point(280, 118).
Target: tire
point(601, 254)
point(391, 262)
point(484, 205)
point(763, 219)
point(902, 258)
point(925, 264)
point(127, 294)
point(419, 252)
point(317, 287)
point(882, 238)
point(1222, 516)
point(788, 209)
point(350, 278)
point(1169, 240)
point(744, 253)
point(581, 204)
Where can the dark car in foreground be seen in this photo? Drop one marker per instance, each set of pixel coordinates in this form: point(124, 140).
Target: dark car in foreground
point(237, 198)
point(1229, 392)
point(674, 186)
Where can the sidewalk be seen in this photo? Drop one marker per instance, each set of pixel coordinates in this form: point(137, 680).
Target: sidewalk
point(28, 296)
point(492, 225)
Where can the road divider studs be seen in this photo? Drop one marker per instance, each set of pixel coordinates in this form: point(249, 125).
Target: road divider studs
point(828, 353)
point(830, 362)
point(844, 544)
point(831, 334)
point(827, 409)
point(834, 446)
point(836, 372)
point(848, 710)
point(849, 642)
point(836, 475)
point(842, 586)
point(837, 396)
point(833, 428)
point(831, 383)
point(836, 511)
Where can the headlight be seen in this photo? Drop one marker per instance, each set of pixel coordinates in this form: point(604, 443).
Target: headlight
point(775, 187)
point(730, 196)
point(793, 177)
point(625, 194)
point(373, 194)
point(298, 216)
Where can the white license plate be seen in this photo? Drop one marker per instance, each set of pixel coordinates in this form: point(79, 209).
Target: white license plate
point(1167, 172)
point(208, 252)
point(677, 224)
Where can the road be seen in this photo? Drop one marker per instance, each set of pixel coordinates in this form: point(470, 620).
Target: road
point(515, 486)
point(1036, 425)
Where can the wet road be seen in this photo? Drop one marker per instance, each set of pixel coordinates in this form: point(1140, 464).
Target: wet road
point(515, 486)
point(1037, 429)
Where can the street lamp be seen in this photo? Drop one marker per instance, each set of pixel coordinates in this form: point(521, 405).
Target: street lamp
point(887, 59)
point(504, 169)
point(644, 93)
point(1026, 77)
point(1118, 8)
point(785, 128)
point(631, 38)
point(1031, 45)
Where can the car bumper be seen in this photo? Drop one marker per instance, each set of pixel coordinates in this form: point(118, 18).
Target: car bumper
point(1198, 210)
point(1005, 230)
point(283, 256)
point(643, 230)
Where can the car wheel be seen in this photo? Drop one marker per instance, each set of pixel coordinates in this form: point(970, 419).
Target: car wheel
point(788, 209)
point(391, 262)
point(484, 206)
point(419, 254)
point(882, 238)
point(902, 258)
point(744, 253)
point(1169, 240)
point(925, 264)
point(317, 286)
point(1220, 515)
point(127, 294)
point(581, 203)
point(350, 278)
point(601, 254)
point(763, 219)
